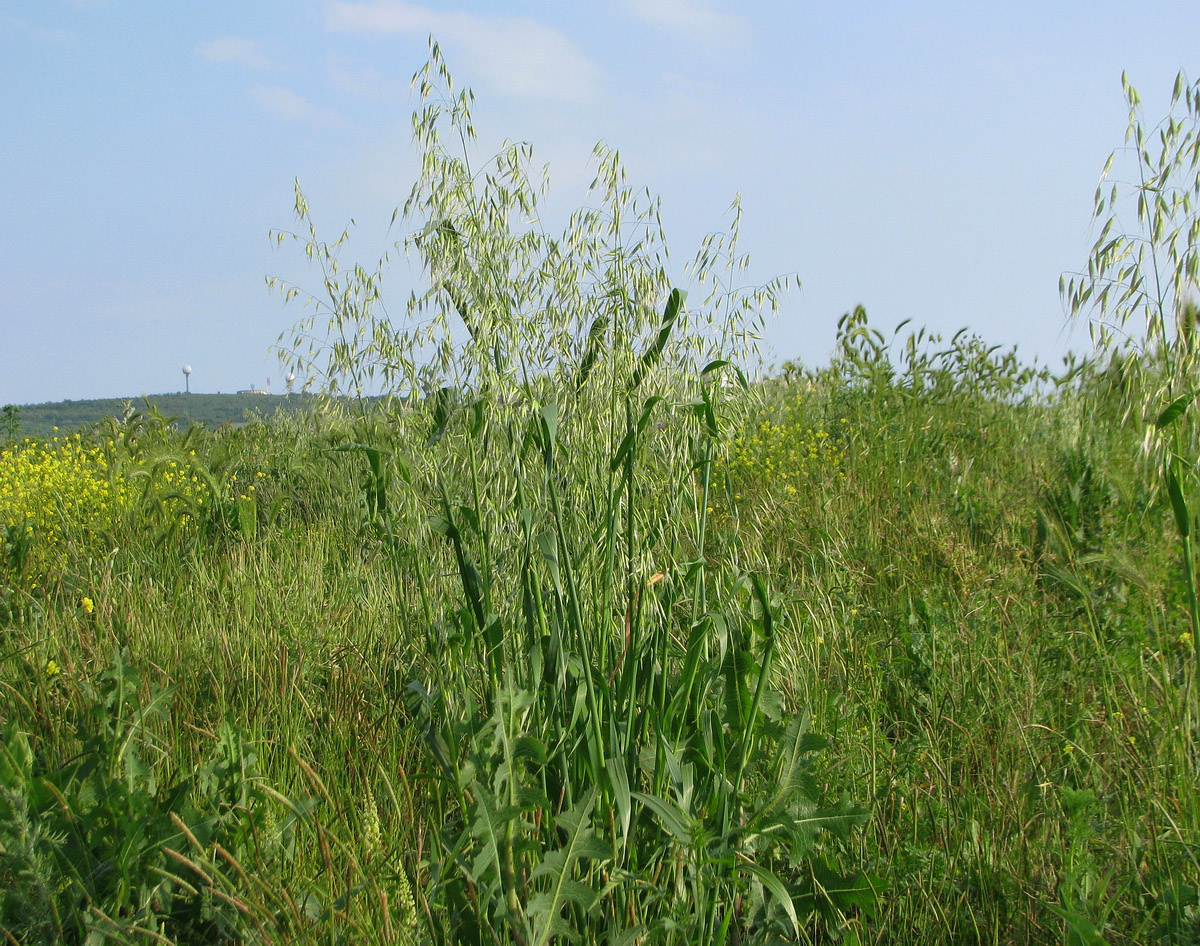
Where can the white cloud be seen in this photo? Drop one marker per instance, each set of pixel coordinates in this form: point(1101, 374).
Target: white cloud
point(288, 105)
point(244, 52)
point(516, 56)
point(698, 20)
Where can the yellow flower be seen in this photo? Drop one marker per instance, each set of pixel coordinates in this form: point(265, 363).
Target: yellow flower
point(52, 669)
point(52, 489)
point(87, 604)
point(1185, 638)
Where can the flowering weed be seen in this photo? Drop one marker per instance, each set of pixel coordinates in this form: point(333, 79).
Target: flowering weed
point(788, 451)
point(55, 496)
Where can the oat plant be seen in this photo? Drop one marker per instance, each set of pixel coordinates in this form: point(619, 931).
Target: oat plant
point(611, 758)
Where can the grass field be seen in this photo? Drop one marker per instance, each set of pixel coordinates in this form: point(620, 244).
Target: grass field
point(598, 641)
point(880, 655)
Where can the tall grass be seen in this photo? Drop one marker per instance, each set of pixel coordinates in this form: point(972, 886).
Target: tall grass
point(995, 650)
point(583, 637)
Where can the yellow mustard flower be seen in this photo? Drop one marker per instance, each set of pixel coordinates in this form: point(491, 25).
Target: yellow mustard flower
point(57, 493)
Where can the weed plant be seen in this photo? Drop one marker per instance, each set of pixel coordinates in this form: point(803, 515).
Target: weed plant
point(53, 495)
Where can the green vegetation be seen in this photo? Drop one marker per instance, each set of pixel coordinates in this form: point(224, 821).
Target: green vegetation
point(45, 420)
point(598, 642)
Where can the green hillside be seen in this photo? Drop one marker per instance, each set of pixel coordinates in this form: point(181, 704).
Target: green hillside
point(40, 420)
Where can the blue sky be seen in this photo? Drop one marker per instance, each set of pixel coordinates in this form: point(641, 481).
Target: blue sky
point(931, 161)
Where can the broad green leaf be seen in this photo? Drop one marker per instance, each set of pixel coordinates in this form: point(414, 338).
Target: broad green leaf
point(777, 889)
point(632, 434)
point(838, 820)
point(545, 907)
point(1183, 519)
point(652, 354)
point(790, 767)
point(595, 340)
point(669, 815)
point(443, 410)
point(549, 414)
point(1173, 411)
point(619, 781)
point(1081, 931)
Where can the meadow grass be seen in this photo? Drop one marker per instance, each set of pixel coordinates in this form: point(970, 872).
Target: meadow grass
point(974, 595)
point(583, 637)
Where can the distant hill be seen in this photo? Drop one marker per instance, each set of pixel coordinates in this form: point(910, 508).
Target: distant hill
point(39, 420)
